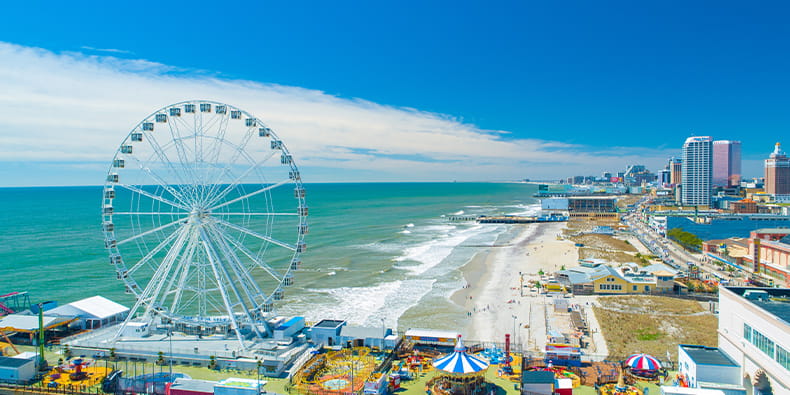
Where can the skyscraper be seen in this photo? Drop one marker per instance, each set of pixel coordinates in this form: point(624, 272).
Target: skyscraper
point(676, 171)
point(697, 171)
point(726, 163)
point(777, 172)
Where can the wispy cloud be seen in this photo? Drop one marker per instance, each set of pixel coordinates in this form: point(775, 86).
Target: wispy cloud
point(77, 107)
point(107, 50)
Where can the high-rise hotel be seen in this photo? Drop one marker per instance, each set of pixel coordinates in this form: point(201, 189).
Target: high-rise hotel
point(726, 163)
point(697, 171)
point(777, 173)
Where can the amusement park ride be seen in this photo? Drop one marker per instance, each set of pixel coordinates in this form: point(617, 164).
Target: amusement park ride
point(204, 219)
point(190, 224)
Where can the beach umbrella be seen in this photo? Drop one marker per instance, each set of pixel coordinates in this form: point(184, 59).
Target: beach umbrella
point(643, 362)
point(459, 362)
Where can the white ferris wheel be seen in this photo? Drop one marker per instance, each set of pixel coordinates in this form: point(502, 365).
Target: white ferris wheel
point(204, 218)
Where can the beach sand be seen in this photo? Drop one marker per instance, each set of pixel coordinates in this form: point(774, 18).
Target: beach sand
point(494, 295)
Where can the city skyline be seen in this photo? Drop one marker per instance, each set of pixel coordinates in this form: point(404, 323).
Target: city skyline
point(364, 93)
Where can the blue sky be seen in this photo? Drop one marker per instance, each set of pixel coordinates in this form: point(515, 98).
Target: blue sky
point(609, 79)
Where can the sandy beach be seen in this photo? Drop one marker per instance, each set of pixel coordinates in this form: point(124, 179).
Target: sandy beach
point(494, 297)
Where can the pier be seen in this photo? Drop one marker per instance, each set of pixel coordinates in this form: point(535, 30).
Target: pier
point(509, 219)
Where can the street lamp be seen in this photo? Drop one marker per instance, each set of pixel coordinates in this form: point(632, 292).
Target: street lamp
point(514, 324)
point(258, 371)
point(170, 340)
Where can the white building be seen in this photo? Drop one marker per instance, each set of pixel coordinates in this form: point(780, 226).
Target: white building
point(658, 224)
point(17, 370)
point(709, 367)
point(754, 330)
point(697, 171)
point(94, 312)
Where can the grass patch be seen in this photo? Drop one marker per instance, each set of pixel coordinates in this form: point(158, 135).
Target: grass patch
point(647, 334)
point(609, 255)
point(653, 324)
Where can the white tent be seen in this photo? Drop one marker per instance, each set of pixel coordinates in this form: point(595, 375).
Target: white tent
point(94, 312)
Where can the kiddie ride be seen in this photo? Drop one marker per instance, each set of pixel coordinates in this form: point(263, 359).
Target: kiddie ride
point(78, 373)
point(619, 388)
point(508, 362)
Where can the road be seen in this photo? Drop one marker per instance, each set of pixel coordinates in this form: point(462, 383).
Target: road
point(670, 252)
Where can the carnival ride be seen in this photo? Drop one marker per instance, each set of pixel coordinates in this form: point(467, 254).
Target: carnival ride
point(4, 346)
point(619, 388)
point(644, 367)
point(190, 220)
point(458, 373)
point(341, 371)
point(78, 373)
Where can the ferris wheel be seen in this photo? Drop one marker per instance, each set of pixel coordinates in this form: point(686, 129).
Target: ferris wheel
point(204, 218)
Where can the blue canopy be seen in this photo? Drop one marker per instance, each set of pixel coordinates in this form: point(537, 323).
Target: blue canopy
point(459, 362)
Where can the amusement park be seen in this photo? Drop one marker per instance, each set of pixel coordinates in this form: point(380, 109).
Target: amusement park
point(204, 219)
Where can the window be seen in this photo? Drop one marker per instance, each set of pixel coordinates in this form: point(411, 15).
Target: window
point(783, 357)
point(647, 288)
point(634, 288)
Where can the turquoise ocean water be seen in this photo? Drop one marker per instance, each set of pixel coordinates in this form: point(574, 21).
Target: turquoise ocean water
point(376, 251)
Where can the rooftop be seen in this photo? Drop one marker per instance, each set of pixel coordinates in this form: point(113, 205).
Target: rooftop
point(537, 377)
point(707, 355)
point(9, 362)
point(773, 230)
point(95, 307)
point(329, 324)
point(778, 303)
point(194, 385)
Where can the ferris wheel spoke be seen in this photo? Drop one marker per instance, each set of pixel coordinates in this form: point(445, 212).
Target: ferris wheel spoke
point(251, 194)
point(160, 153)
point(159, 181)
point(154, 251)
point(143, 192)
point(237, 266)
point(178, 142)
point(251, 256)
point(257, 235)
point(148, 232)
point(238, 179)
point(221, 131)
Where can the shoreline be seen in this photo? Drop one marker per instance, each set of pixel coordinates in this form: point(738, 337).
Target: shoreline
point(493, 281)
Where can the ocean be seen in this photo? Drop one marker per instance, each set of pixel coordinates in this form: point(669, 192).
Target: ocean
point(376, 251)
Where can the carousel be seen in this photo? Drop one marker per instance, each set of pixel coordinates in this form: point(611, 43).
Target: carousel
point(644, 367)
point(458, 373)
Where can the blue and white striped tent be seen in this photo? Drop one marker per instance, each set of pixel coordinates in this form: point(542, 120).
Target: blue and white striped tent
point(459, 362)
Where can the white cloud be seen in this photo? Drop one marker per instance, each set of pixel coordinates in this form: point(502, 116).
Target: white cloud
point(76, 108)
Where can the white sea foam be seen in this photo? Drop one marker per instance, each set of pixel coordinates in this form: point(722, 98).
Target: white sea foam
point(431, 253)
point(525, 209)
point(409, 225)
point(368, 305)
point(459, 212)
point(331, 273)
point(405, 232)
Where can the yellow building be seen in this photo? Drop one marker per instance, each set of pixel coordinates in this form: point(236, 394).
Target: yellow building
point(610, 283)
point(598, 278)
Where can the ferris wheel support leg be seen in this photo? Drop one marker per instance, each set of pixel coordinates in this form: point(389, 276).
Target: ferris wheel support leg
point(141, 300)
point(211, 254)
point(243, 280)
